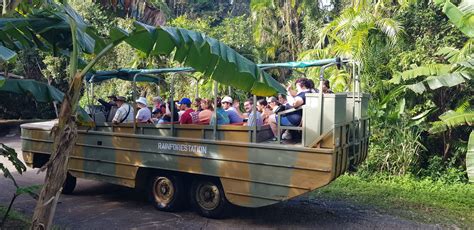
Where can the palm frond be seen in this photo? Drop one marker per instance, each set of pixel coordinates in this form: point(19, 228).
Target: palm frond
point(313, 54)
point(452, 119)
point(390, 27)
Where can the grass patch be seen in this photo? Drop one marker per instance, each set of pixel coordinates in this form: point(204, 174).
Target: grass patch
point(15, 220)
point(423, 200)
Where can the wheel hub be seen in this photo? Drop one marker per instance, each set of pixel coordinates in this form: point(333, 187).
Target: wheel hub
point(208, 196)
point(163, 191)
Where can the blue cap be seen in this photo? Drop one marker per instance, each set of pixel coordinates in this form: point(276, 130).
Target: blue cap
point(185, 101)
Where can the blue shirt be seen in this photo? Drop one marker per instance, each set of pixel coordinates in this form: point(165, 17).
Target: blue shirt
point(251, 119)
point(295, 117)
point(222, 117)
point(234, 116)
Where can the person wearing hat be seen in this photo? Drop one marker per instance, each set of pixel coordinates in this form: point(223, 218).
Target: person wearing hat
point(144, 114)
point(124, 112)
point(186, 117)
point(234, 116)
point(107, 105)
point(157, 102)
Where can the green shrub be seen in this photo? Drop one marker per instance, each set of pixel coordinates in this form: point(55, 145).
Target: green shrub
point(393, 150)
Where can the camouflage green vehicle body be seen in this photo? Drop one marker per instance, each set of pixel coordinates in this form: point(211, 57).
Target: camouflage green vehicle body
point(252, 174)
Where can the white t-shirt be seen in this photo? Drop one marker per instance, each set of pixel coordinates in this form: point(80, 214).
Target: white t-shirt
point(180, 113)
point(122, 111)
point(143, 115)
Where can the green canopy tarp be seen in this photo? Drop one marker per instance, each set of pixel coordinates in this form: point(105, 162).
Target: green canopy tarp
point(145, 75)
point(149, 75)
point(300, 64)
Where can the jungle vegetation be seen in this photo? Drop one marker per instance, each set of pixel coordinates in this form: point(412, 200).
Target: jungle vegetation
point(417, 65)
point(417, 59)
point(416, 56)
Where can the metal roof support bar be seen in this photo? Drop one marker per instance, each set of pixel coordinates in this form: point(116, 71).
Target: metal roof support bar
point(214, 126)
point(254, 124)
point(321, 95)
point(171, 105)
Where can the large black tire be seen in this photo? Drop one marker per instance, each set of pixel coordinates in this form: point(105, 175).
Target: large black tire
point(166, 192)
point(208, 199)
point(69, 184)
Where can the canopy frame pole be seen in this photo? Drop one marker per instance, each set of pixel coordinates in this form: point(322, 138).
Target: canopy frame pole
point(354, 88)
point(197, 87)
point(321, 95)
point(171, 104)
point(254, 125)
point(92, 94)
point(359, 97)
point(135, 111)
point(214, 127)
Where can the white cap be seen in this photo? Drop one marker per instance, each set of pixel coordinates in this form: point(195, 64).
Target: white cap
point(142, 100)
point(157, 98)
point(227, 99)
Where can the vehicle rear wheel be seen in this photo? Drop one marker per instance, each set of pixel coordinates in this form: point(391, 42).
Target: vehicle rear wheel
point(208, 199)
point(69, 184)
point(166, 192)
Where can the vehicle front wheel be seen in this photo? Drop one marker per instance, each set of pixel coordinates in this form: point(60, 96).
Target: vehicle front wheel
point(69, 184)
point(208, 198)
point(166, 192)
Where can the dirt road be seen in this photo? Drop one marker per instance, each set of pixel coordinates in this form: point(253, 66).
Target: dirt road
point(97, 205)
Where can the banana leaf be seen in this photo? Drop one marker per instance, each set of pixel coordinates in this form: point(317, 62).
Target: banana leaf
point(6, 55)
point(452, 119)
point(41, 92)
point(48, 29)
point(464, 21)
point(470, 158)
point(207, 55)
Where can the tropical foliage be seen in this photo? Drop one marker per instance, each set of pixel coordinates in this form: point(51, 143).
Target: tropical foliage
point(416, 58)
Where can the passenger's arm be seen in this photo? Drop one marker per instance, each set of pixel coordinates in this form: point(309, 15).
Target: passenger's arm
point(168, 111)
point(298, 102)
point(117, 116)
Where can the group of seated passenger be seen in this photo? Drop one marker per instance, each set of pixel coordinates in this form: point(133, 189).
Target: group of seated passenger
point(226, 111)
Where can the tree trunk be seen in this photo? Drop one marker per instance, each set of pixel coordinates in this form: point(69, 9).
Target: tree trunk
point(65, 137)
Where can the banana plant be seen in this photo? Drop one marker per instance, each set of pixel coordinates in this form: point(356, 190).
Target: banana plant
point(57, 27)
point(459, 70)
point(205, 54)
point(60, 26)
point(461, 16)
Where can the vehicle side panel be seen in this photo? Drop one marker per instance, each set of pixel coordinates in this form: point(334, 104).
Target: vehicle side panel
point(252, 175)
